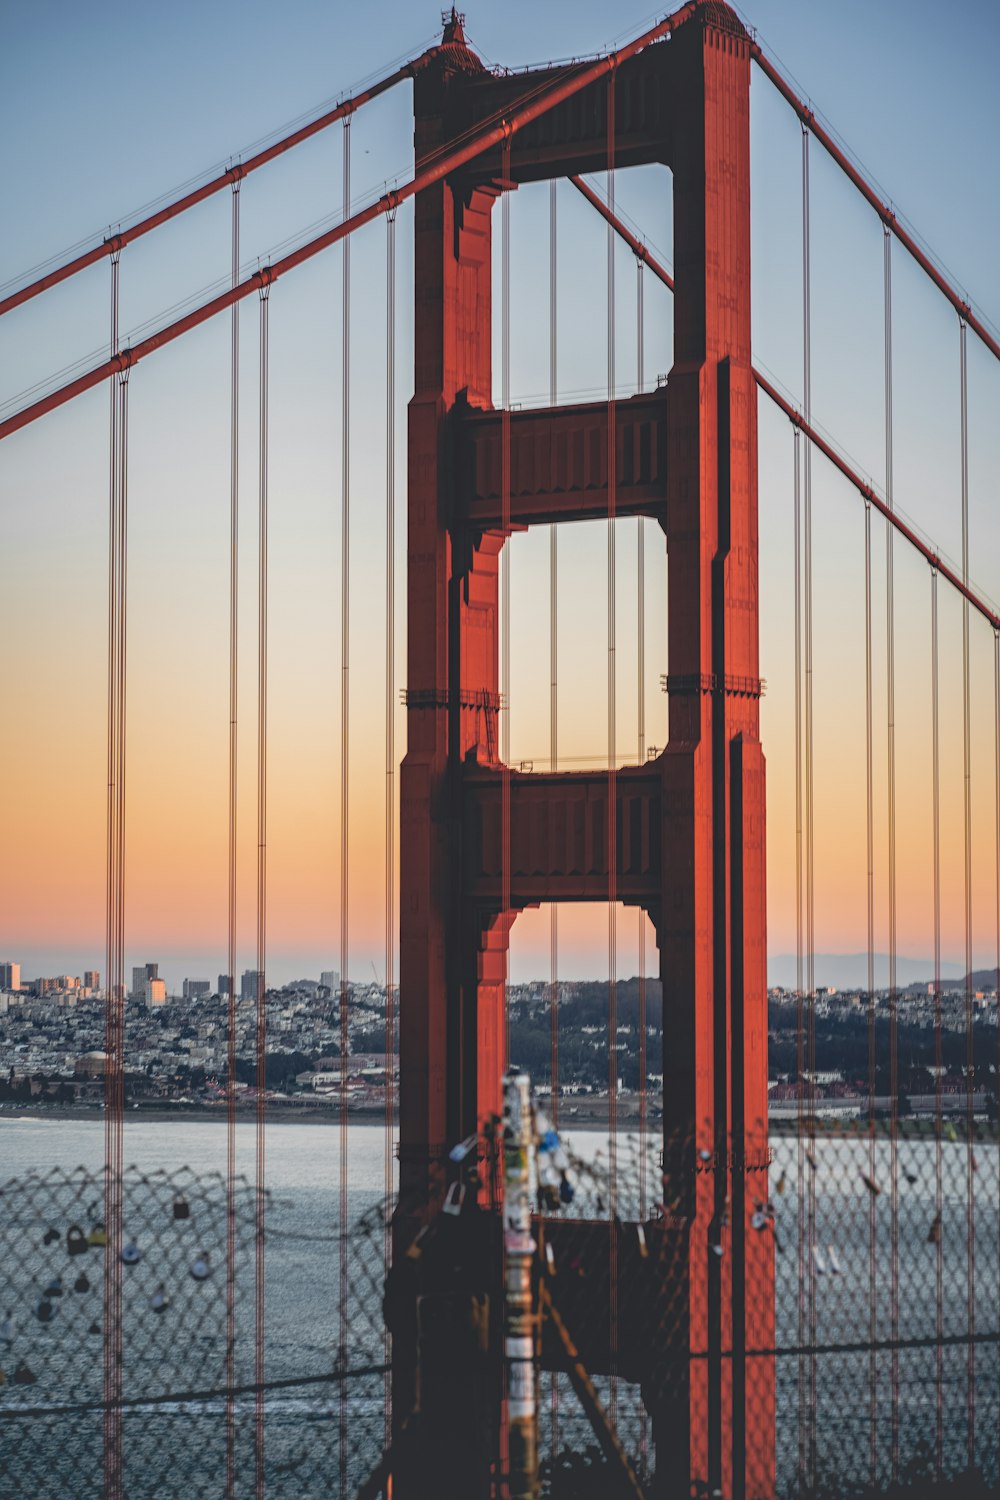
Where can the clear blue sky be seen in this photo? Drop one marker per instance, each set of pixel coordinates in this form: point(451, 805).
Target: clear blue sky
point(105, 109)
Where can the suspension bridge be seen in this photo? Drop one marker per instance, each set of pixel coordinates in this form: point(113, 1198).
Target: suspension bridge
point(684, 1311)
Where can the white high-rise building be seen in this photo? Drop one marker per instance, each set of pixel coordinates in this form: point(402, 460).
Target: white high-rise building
point(10, 976)
point(156, 992)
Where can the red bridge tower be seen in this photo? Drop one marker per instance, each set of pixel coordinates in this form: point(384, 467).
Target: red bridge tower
point(690, 824)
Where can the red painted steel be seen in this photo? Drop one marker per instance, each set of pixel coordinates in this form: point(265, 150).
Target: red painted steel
point(632, 241)
point(711, 925)
point(689, 827)
point(116, 242)
point(882, 208)
point(437, 166)
point(794, 415)
point(865, 489)
point(559, 464)
point(558, 836)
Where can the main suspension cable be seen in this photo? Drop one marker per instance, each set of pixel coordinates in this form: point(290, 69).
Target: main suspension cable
point(867, 492)
point(889, 218)
point(479, 140)
point(816, 438)
point(234, 174)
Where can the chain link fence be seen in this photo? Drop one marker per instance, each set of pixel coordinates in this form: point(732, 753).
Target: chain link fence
point(865, 1333)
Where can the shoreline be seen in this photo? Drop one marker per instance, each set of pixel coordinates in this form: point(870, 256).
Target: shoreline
point(276, 1115)
point(589, 1119)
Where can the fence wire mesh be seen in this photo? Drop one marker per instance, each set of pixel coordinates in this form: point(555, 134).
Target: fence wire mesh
point(870, 1290)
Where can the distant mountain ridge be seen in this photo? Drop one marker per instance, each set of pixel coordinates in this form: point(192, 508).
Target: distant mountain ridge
point(850, 971)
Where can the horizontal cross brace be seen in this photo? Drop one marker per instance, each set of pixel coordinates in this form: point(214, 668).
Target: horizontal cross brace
point(559, 464)
point(559, 836)
point(572, 136)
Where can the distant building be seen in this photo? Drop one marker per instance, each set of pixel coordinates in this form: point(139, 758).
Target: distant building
point(91, 1065)
point(155, 992)
point(92, 979)
point(140, 974)
point(10, 976)
point(248, 985)
point(223, 985)
point(331, 979)
point(192, 988)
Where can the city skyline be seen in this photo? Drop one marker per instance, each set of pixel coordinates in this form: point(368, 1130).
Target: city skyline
point(840, 970)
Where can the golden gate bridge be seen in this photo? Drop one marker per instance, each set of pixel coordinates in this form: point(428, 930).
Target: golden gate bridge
point(679, 1286)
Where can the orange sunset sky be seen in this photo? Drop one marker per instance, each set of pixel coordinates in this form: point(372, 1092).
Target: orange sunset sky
point(53, 498)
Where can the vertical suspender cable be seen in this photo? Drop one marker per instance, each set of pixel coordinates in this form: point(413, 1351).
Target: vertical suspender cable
point(612, 830)
point(890, 682)
point(996, 791)
point(114, 1012)
point(505, 568)
point(554, 724)
point(553, 658)
point(641, 749)
point(996, 788)
point(111, 1212)
point(870, 903)
point(970, 1052)
point(936, 1233)
point(261, 1010)
point(505, 533)
point(234, 531)
point(122, 726)
point(800, 1054)
point(640, 328)
point(390, 750)
point(345, 785)
point(807, 603)
point(119, 1050)
point(641, 740)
